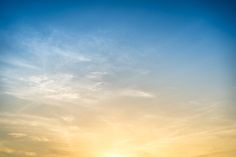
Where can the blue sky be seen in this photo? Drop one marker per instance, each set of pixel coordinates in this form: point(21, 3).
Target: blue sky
point(192, 37)
point(123, 78)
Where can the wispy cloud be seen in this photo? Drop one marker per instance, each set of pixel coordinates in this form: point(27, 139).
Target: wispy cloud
point(17, 135)
point(45, 87)
point(20, 63)
point(7, 150)
point(137, 93)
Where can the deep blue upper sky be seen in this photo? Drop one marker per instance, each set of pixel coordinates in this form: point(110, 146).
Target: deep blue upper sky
point(146, 19)
point(220, 13)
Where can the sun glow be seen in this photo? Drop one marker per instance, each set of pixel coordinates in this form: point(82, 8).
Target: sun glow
point(115, 154)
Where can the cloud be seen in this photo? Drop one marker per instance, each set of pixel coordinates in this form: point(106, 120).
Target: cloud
point(59, 68)
point(52, 140)
point(137, 93)
point(33, 138)
point(46, 48)
point(96, 86)
point(17, 135)
point(29, 153)
point(6, 150)
point(39, 139)
point(37, 79)
point(20, 63)
point(67, 118)
point(27, 136)
point(96, 75)
point(47, 87)
point(10, 151)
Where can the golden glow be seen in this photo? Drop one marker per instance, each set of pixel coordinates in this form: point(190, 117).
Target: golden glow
point(115, 154)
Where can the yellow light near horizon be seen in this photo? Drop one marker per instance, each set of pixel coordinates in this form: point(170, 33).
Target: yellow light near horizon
point(115, 154)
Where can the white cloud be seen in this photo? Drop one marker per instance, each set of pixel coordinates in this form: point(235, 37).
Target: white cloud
point(50, 49)
point(41, 86)
point(23, 64)
point(137, 93)
point(96, 75)
point(96, 86)
point(67, 70)
point(38, 79)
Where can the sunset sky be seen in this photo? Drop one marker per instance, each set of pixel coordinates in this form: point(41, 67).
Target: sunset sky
point(117, 78)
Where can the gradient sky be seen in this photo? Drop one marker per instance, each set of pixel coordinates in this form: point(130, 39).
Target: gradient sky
point(117, 78)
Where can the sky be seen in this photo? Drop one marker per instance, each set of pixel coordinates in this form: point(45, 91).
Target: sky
point(116, 78)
